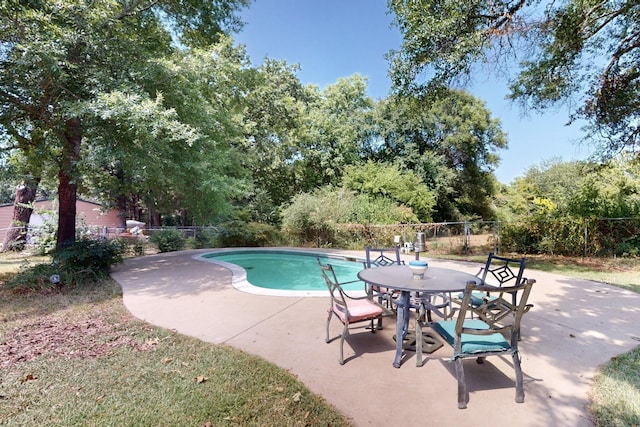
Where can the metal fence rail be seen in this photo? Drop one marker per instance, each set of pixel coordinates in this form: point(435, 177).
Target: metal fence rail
point(575, 237)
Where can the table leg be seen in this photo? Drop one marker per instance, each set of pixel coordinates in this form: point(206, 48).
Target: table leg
point(402, 325)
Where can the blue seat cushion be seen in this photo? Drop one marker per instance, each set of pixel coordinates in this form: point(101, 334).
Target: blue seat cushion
point(472, 344)
point(477, 298)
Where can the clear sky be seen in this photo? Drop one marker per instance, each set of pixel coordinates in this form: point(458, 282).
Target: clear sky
point(330, 39)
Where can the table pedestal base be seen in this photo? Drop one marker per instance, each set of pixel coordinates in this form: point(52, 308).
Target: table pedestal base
point(429, 342)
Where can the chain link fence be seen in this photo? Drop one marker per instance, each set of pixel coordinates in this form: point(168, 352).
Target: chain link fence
point(603, 237)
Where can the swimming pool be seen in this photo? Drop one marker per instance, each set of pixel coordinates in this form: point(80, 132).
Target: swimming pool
point(285, 272)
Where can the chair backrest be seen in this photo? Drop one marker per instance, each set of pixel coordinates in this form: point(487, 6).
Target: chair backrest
point(335, 290)
point(380, 257)
point(503, 312)
point(501, 271)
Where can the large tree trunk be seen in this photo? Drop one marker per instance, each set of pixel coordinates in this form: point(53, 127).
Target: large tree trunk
point(122, 211)
point(16, 236)
point(121, 200)
point(67, 185)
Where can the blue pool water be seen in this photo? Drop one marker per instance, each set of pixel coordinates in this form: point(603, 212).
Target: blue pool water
point(291, 270)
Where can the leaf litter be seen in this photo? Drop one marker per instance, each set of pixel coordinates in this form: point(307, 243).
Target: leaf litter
point(49, 336)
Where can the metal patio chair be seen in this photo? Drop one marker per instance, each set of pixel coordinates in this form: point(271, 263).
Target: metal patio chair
point(348, 309)
point(493, 331)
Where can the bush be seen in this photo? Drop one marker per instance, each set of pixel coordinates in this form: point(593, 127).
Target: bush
point(77, 264)
point(244, 234)
point(95, 255)
point(168, 240)
point(205, 238)
point(316, 217)
point(38, 278)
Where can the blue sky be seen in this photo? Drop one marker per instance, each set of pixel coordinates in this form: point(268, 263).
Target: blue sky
point(338, 38)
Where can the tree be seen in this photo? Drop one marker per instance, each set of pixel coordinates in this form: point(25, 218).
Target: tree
point(56, 57)
point(16, 236)
point(274, 113)
point(339, 126)
point(582, 53)
point(451, 142)
point(193, 122)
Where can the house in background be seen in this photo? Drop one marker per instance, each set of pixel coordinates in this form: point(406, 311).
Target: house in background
point(87, 214)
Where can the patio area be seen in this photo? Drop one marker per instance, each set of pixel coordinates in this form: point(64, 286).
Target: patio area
point(575, 326)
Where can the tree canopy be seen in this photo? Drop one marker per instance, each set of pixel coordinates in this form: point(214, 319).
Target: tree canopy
point(57, 58)
point(582, 53)
point(149, 107)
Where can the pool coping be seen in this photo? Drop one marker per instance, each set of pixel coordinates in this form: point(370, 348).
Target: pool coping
point(239, 275)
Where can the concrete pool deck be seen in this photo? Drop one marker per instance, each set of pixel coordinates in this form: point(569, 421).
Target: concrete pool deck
point(575, 326)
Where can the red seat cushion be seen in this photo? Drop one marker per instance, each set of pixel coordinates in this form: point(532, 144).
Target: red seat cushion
point(358, 310)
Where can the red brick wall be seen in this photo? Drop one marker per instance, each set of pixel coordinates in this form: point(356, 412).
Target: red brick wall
point(88, 213)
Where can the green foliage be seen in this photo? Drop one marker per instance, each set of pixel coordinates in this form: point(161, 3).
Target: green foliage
point(585, 50)
point(45, 236)
point(94, 65)
point(380, 181)
point(339, 127)
point(450, 142)
point(275, 110)
point(94, 255)
point(315, 217)
point(76, 264)
point(247, 234)
point(168, 240)
point(37, 278)
point(205, 238)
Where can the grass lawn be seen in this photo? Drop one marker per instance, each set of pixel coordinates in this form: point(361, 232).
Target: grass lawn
point(78, 357)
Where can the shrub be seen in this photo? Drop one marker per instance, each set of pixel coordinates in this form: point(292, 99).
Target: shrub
point(244, 234)
point(74, 265)
point(38, 278)
point(205, 238)
point(168, 240)
point(95, 255)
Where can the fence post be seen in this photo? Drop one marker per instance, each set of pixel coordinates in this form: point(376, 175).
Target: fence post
point(586, 237)
point(466, 237)
point(499, 236)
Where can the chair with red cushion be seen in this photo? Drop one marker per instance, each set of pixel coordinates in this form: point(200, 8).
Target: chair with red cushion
point(348, 309)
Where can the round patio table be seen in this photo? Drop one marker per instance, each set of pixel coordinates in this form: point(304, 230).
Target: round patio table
point(400, 278)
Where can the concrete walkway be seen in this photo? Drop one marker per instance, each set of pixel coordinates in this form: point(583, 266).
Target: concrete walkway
point(575, 326)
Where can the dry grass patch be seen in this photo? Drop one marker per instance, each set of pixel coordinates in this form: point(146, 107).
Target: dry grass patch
point(79, 358)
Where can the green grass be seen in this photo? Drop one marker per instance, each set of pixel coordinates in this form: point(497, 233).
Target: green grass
point(78, 358)
point(615, 396)
point(621, 272)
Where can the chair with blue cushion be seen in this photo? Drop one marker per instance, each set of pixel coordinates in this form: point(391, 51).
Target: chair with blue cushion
point(381, 257)
point(493, 331)
point(348, 309)
point(498, 271)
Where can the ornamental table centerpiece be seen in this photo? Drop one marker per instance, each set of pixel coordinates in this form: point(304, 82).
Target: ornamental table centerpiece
point(418, 268)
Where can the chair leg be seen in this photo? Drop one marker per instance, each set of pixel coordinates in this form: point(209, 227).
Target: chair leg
point(344, 334)
point(328, 321)
point(462, 385)
point(519, 380)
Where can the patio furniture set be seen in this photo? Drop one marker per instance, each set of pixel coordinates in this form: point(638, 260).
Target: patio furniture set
point(478, 315)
